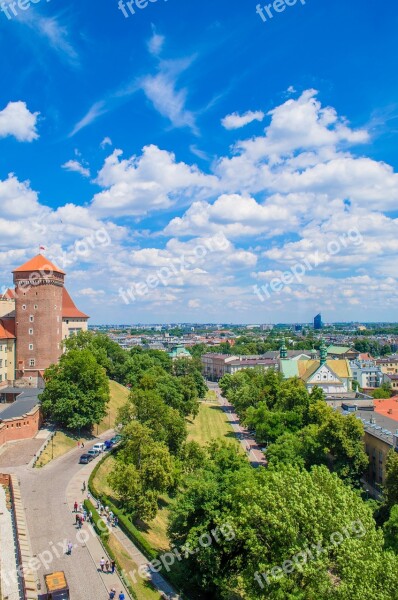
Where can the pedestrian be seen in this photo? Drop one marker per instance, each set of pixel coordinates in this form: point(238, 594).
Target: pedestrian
point(82, 445)
point(81, 508)
point(102, 564)
point(84, 486)
point(107, 566)
point(80, 522)
point(85, 515)
point(112, 594)
point(69, 548)
point(113, 566)
point(77, 519)
point(115, 522)
point(122, 596)
point(75, 506)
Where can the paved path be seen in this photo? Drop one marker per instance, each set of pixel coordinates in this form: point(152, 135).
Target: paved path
point(248, 443)
point(16, 454)
point(51, 525)
point(8, 564)
point(75, 493)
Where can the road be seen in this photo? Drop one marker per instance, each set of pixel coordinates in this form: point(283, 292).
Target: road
point(51, 524)
point(248, 443)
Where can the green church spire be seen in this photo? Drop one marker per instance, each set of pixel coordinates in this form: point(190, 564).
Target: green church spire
point(283, 349)
point(323, 352)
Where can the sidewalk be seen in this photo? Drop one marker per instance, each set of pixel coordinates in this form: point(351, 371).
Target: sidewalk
point(74, 493)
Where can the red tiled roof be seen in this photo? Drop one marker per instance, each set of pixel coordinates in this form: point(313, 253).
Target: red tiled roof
point(7, 329)
point(8, 295)
point(39, 263)
point(387, 408)
point(69, 308)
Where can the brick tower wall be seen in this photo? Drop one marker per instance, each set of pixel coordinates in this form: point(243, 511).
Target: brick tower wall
point(38, 321)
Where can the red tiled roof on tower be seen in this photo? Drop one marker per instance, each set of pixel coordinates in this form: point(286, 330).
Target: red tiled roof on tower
point(69, 309)
point(39, 263)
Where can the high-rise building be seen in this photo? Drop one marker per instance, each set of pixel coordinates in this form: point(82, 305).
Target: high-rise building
point(318, 322)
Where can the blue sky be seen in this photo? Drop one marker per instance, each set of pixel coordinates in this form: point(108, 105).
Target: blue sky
point(192, 162)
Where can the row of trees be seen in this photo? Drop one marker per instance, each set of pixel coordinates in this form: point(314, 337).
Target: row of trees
point(155, 453)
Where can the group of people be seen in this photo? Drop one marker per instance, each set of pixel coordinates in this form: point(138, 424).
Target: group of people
point(112, 595)
point(104, 511)
point(106, 566)
point(81, 515)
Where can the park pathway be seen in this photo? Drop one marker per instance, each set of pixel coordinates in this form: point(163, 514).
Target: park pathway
point(253, 451)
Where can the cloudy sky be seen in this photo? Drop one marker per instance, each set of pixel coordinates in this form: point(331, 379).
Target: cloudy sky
point(193, 162)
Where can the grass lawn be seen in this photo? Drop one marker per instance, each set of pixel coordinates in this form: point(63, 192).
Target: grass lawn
point(63, 443)
point(211, 396)
point(119, 396)
point(211, 424)
point(142, 587)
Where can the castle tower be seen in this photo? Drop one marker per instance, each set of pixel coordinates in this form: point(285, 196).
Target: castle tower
point(39, 288)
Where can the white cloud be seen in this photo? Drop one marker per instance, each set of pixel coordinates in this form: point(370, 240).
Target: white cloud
point(156, 42)
point(161, 89)
point(235, 120)
point(17, 121)
point(153, 181)
point(98, 109)
point(106, 142)
point(75, 166)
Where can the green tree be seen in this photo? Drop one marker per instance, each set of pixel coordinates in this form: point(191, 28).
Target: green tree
point(77, 391)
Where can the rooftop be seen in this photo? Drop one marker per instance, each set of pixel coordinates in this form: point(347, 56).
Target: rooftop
point(27, 399)
point(69, 308)
point(38, 263)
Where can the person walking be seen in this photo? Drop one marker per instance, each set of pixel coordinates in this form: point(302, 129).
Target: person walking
point(84, 486)
point(112, 594)
point(122, 596)
point(107, 566)
point(69, 548)
point(75, 506)
point(113, 566)
point(102, 564)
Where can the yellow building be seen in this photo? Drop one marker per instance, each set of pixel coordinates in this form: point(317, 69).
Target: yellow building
point(7, 351)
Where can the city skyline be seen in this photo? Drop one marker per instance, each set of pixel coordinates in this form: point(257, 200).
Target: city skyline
point(177, 181)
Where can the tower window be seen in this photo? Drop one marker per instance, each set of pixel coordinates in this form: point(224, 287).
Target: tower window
point(31, 318)
point(36, 307)
point(30, 346)
point(32, 362)
point(30, 331)
point(23, 306)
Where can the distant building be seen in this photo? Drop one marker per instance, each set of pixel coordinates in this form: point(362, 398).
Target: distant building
point(332, 376)
point(215, 366)
point(179, 352)
point(318, 322)
point(367, 374)
point(340, 352)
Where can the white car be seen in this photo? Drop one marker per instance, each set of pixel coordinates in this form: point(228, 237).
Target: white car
point(99, 447)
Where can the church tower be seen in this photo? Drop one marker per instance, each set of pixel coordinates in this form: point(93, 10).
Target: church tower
point(283, 349)
point(39, 286)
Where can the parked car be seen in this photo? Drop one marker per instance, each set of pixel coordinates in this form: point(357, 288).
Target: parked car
point(93, 452)
point(100, 446)
point(85, 459)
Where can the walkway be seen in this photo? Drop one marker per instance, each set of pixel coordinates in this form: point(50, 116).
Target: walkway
point(75, 493)
point(254, 454)
point(8, 559)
